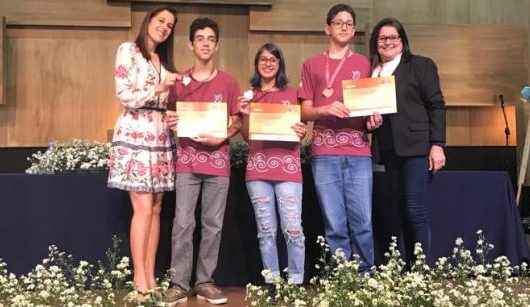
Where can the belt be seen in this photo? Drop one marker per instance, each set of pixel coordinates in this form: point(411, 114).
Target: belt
point(153, 109)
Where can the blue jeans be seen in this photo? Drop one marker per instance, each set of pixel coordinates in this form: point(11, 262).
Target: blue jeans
point(289, 199)
point(408, 180)
point(344, 190)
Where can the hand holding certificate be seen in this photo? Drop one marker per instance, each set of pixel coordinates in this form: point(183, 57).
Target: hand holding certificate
point(370, 95)
point(197, 119)
point(273, 122)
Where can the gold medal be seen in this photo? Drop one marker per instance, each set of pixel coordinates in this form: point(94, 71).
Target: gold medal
point(327, 92)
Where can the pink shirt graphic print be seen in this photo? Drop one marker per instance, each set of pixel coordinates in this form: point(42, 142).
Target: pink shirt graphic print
point(331, 135)
point(272, 160)
point(193, 157)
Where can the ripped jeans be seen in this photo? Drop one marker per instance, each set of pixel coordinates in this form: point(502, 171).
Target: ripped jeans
point(289, 203)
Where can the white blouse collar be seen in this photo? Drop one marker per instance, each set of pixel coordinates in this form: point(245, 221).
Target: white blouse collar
point(387, 69)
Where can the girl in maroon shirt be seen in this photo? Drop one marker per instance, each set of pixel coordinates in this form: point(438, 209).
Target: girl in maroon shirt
point(274, 177)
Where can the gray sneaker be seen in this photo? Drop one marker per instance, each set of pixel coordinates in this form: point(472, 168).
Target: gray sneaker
point(175, 295)
point(209, 292)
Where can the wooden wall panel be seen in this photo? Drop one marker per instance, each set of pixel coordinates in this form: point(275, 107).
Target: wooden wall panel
point(480, 126)
point(423, 11)
point(476, 62)
point(61, 85)
point(298, 15)
point(222, 2)
point(48, 98)
point(508, 12)
point(3, 63)
point(233, 24)
point(97, 13)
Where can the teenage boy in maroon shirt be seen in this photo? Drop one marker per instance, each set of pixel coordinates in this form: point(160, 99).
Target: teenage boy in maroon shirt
point(341, 163)
point(203, 164)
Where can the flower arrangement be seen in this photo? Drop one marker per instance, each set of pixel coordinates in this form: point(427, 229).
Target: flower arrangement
point(59, 280)
point(70, 156)
point(460, 280)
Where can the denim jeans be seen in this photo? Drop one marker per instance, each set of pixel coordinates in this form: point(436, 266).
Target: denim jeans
point(288, 195)
point(344, 190)
point(408, 180)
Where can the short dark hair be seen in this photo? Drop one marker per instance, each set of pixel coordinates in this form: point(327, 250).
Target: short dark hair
point(336, 9)
point(203, 23)
point(165, 49)
point(375, 59)
point(281, 78)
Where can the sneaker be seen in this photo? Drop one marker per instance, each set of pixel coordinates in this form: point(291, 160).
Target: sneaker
point(175, 295)
point(271, 289)
point(210, 293)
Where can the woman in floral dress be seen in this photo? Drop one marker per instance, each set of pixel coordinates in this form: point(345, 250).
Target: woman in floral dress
point(141, 157)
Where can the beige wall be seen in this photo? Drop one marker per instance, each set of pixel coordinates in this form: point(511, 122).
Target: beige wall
point(59, 56)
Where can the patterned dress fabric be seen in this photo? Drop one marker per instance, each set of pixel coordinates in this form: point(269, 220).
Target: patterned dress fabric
point(142, 152)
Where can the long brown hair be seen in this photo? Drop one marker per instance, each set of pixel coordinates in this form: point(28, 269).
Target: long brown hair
point(375, 58)
point(165, 49)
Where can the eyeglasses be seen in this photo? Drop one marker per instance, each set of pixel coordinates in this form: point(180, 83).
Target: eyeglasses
point(339, 24)
point(391, 39)
point(200, 39)
point(266, 60)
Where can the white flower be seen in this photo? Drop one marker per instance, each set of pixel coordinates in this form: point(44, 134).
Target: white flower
point(480, 269)
point(186, 80)
point(459, 241)
point(323, 303)
point(373, 283)
point(44, 294)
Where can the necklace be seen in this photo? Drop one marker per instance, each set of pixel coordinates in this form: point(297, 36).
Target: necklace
point(191, 89)
point(212, 74)
point(328, 91)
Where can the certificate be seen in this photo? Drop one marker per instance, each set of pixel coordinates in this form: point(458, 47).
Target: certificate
point(273, 121)
point(365, 96)
point(197, 118)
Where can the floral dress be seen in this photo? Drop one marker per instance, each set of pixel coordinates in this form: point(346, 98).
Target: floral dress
point(142, 151)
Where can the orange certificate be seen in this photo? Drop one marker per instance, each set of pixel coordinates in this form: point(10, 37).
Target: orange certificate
point(366, 96)
point(197, 118)
point(273, 121)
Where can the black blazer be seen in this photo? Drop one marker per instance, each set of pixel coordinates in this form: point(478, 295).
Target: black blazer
point(420, 120)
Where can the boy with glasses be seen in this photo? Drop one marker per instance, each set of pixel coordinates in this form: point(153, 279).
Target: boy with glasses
point(341, 163)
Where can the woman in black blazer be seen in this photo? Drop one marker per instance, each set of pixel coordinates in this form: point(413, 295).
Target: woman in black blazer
point(411, 141)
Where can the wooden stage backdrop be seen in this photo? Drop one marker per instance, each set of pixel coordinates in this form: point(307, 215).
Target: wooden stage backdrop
point(57, 56)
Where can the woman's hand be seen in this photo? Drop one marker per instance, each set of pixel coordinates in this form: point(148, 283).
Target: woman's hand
point(171, 119)
point(436, 158)
point(168, 82)
point(300, 129)
point(374, 121)
point(244, 106)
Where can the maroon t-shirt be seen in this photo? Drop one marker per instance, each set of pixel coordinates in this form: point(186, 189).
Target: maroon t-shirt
point(274, 160)
point(193, 157)
point(332, 135)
